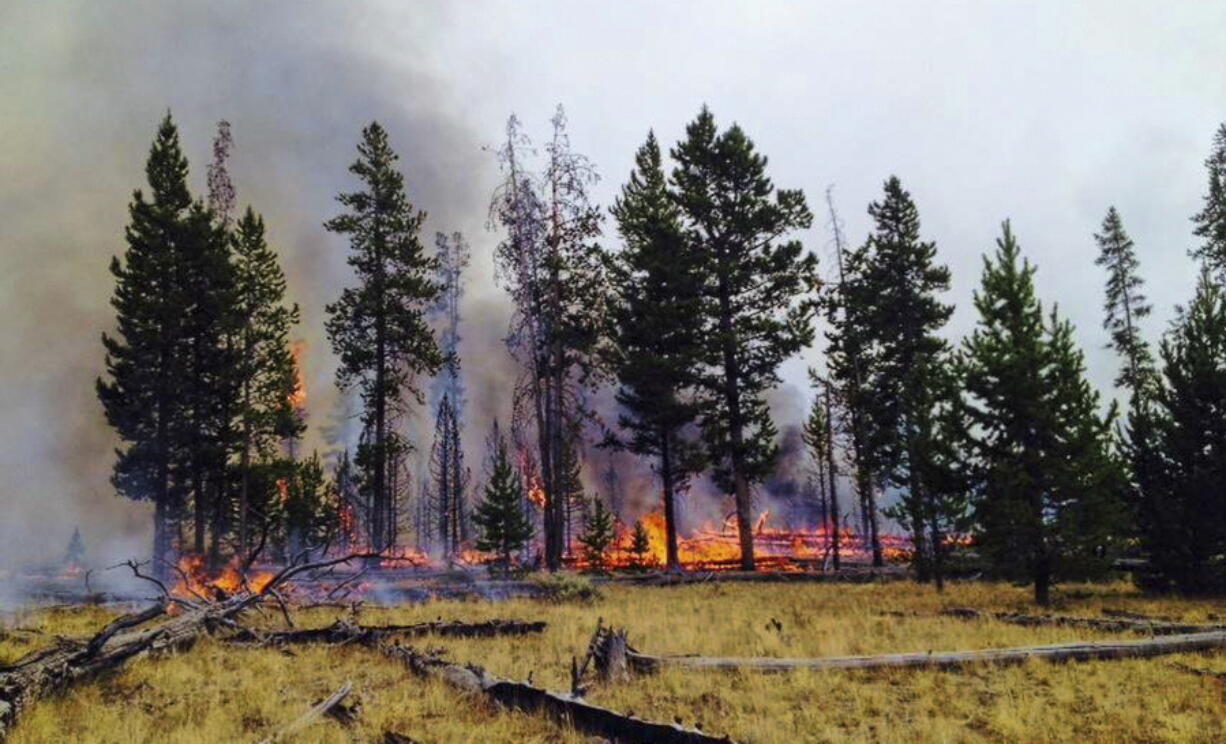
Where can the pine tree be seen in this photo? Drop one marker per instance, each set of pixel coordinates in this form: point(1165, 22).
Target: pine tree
point(454, 256)
point(503, 529)
point(1044, 478)
point(599, 532)
point(1125, 306)
point(1183, 522)
point(378, 327)
point(757, 310)
point(640, 545)
point(310, 513)
point(449, 480)
point(1211, 220)
point(818, 437)
point(74, 556)
point(897, 306)
point(573, 498)
point(265, 364)
point(144, 392)
point(848, 355)
point(655, 282)
point(1125, 303)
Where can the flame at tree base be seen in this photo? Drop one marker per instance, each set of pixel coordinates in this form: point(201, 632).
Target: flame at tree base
point(195, 581)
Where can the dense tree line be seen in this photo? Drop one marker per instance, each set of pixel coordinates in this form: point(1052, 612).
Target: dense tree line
point(200, 381)
point(688, 316)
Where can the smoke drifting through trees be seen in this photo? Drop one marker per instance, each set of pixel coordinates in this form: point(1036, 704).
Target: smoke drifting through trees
point(104, 94)
point(550, 266)
point(201, 474)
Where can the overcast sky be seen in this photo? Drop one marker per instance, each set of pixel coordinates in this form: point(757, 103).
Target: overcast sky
point(1042, 112)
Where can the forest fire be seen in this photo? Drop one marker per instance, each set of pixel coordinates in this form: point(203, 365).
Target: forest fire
point(195, 580)
point(298, 397)
point(713, 548)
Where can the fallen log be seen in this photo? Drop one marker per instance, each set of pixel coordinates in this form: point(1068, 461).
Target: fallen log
point(1217, 676)
point(585, 717)
point(343, 632)
point(69, 662)
point(1081, 651)
point(1135, 624)
point(317, 711)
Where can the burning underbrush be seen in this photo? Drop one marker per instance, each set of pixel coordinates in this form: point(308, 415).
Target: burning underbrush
point(715, 548)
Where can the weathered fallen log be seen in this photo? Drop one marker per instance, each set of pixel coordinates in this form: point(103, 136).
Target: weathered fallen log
point(315, 713)
point(343, 632)
point(1083, 651)
point(70, 662)
point(1209, 673)
point(1113, 624)
point(585, 717)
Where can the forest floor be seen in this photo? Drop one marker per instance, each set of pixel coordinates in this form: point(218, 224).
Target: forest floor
point(221, 693)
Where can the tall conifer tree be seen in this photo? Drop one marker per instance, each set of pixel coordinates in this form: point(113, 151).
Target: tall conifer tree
point(848, 358)
point(655, 344)
point(757, 286)
point(1210, 221)
point(1125, 303)
point(378, 327)
point(1044, 478)
point(265, 364)
point(551, 266)
point(896, 301)
point(143, 392)
point(1183, 527)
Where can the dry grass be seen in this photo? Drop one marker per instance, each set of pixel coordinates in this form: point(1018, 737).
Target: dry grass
point(219, 694)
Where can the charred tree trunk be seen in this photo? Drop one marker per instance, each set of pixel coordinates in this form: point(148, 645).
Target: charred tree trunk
point(836, 515)
point(736, 423)
point(199, 504)
point(672, 560)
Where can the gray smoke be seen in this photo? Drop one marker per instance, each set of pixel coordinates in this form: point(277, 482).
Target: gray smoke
point(82, 89)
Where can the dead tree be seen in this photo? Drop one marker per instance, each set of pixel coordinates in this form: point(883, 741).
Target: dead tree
point(552, 270)
point(449, 480)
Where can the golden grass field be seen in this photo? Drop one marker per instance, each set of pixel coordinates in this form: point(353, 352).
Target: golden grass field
point(215, 693)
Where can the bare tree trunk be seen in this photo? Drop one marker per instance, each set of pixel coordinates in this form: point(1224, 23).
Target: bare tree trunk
point(672, 560)
point(923, 573)
point(161, 538)
point(938, 555)
point(736, 425)
point(1042, 581)
point(837, 517)
point(198, 507)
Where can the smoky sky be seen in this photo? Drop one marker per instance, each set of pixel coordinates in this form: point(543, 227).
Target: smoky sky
point(1044, 112)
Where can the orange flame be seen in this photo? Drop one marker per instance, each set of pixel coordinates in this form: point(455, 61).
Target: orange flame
point(195, 582)
point(298, 398)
